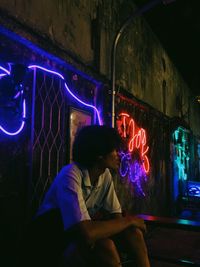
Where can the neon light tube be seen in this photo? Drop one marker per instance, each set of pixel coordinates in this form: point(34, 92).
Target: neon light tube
point(5, 70)
point(2, 75)
point(22, 124)
point(47, 70)
point(69, 91)
point(85, 104)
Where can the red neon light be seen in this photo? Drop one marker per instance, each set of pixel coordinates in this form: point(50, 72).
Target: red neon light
point(136, 137)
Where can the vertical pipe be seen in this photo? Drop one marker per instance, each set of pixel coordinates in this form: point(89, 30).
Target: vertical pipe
point(136, 14)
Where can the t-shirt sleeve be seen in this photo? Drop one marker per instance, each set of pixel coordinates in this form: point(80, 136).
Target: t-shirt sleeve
point(70, 198)
point(111, 202)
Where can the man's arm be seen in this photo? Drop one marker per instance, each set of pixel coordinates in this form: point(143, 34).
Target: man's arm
point(91, 231)
point(75, 215)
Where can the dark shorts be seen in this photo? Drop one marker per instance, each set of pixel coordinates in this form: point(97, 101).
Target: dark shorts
point(44, 241)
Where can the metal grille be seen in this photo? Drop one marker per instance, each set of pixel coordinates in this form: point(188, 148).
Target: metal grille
point(48, 127)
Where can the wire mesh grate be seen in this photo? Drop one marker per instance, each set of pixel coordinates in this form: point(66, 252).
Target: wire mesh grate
point(48, 129)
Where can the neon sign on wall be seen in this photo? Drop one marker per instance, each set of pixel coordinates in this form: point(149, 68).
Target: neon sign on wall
point(134, 162)
point(181, 161)
point(23, 117)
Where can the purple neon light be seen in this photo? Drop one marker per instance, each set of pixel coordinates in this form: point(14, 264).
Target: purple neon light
point(133, 171)
point(69, 91)
point(2, 75)
point(85, 104)
point(5, 70)
point(47, 70)
point(137, 175)
point(23, 112)
point(17, 95)
point(22, 124)
point(124, 164)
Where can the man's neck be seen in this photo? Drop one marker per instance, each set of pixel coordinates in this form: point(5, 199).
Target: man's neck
point(94, 173)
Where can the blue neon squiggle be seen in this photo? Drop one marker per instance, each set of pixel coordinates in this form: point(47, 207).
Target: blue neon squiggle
point(69, 91)
point(2, 75)
point(47, 70)
point(22, 124)
point(87, 105)
point(7, 72)
point(133, 171)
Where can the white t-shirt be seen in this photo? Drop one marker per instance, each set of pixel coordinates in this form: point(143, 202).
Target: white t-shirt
point(72, 193)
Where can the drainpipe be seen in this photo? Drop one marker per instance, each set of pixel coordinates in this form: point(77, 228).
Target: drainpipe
point(136, 14)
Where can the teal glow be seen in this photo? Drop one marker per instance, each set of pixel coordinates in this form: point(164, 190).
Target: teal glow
point(181, 161)
point(176, 135)
point(198, 150)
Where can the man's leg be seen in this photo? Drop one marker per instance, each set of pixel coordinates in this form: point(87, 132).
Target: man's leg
point(103, 253)
point(133, 242)
point(106, 254)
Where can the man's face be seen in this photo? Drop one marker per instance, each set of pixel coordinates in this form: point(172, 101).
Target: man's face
point(112, 160)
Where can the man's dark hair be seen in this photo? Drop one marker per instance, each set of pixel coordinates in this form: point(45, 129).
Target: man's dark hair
point(94, 141)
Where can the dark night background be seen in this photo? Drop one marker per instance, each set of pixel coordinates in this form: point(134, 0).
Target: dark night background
point(177, 26)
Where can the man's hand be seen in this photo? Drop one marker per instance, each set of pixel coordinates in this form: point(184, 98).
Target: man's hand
point(137, 222)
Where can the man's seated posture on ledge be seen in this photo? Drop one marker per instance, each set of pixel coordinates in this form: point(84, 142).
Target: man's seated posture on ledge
point(79, 192)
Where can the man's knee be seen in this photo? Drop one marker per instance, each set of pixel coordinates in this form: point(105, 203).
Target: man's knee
point(133, 232)
point(135, 237)
point(138, 234)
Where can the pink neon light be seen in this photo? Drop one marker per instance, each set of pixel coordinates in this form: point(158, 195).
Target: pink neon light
point(136, 138)
point(69, 91)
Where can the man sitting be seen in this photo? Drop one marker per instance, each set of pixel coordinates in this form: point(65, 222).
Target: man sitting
point(81, 191)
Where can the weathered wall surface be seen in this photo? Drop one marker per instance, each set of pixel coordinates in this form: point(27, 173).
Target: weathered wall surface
point(86, 29)
point(65, 22)
point(146, 71)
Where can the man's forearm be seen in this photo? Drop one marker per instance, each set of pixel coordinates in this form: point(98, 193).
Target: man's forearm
point(95, 230)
